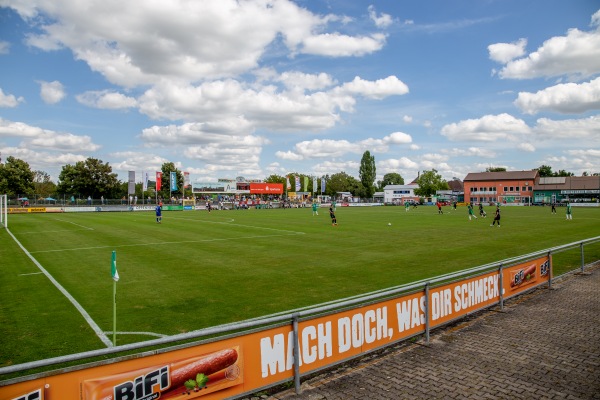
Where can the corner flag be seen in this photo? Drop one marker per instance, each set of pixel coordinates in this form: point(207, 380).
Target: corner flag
point(113, 267)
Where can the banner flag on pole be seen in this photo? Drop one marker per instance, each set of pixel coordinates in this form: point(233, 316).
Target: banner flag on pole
point(297, 183)
point(287, 182)
point(173, 181)
point(186, 179)
point(145, 181)
point(113, 266)
point(158, 181)
point(322, 185)
point(305, 188)
point(314, 184)
point(131, 183)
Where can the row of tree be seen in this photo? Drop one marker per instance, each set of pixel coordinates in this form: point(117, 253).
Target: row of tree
point(95, 178)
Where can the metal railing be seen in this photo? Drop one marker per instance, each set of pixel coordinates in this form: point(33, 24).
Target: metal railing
point(292, 317)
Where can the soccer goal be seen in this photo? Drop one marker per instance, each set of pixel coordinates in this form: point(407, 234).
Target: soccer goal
point(3, 210)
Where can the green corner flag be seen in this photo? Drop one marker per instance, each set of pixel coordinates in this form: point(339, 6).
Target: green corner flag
point(115, 276)
point(113, 267)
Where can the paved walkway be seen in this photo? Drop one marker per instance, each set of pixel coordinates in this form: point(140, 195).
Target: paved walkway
point(546, 345)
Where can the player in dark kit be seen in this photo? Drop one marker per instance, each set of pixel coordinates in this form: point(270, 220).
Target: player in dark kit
point(496, 217)
point(158, 211)
point(333, 218)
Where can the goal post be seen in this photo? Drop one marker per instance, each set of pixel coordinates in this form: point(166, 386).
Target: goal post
point(4, 210)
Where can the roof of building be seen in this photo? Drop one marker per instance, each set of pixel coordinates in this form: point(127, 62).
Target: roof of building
point(568, 183)
point(456, 185)
point(501, 176)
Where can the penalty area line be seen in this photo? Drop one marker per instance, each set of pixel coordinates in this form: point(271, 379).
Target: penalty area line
point(166, 243)
point(78, 306)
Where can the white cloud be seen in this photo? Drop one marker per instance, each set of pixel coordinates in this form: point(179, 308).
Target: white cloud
point(9, 100)
point(106, 100)
point(587, 129)
point(528, 147)
point(470, 152)
point(46, 139)
point(379, 89)
point(20, 129)
point(381, 21)
point(338, 45)
point(407, 118)
point(4, 47)
point(566, 98)
point(188, 41)
point(328, 148)
point(63, 141)
point(489, 128)
point(52, 92)
point(230, 132)
point(577, 54)
point(334, 167)
point(288, 155)
point(505, 52)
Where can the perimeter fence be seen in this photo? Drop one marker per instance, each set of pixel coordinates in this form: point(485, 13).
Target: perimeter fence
point(238, 359)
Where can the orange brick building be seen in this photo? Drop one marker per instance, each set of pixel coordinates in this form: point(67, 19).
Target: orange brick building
point(507, 187)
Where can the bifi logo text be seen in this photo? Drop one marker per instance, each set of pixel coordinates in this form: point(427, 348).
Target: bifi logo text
point(145, 387)
point(37, 395)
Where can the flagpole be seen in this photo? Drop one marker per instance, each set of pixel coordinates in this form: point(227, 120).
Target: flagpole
point(114, 313)
point(115, 276)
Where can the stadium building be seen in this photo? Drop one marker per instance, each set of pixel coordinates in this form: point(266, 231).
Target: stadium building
point(559, 189)
point(506, 187)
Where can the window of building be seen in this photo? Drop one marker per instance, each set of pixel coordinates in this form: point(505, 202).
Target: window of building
point(506, 188)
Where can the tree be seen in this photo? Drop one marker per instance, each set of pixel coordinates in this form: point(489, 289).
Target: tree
point(44, 187)
point(340, 182)
point(544, 170)
point(391, 178)
point(16, 178)
point(91, 178)
point(367, 173)
point(495, 169)
point(165, 189)
point(429, 182)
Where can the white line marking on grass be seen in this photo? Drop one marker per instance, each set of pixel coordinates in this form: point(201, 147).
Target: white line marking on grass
point(62, 230)
point(163, 243)
point(139, 333)
point(244, 226)
point(78, 306)
point(69, 222)
point(33, 273)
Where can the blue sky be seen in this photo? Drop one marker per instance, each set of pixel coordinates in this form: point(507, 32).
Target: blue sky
point(253, 87)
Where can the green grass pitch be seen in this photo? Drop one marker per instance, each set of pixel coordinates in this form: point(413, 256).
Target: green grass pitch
point(200, 269)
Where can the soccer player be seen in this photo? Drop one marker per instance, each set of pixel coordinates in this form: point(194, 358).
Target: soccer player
point(569, 211)
point(406, 206)
point(158, 211)
point(332, 215)
point(481, 211)
point(496, 217)
point(553, 208)
point(315, 208)
point(470, 209)
point(439, 206)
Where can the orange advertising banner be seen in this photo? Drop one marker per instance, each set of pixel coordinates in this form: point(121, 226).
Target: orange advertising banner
point(266, 188)
point(523, 276)
point(242, 364)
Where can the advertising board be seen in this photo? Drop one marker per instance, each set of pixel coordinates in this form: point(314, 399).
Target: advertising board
point(244, 363)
